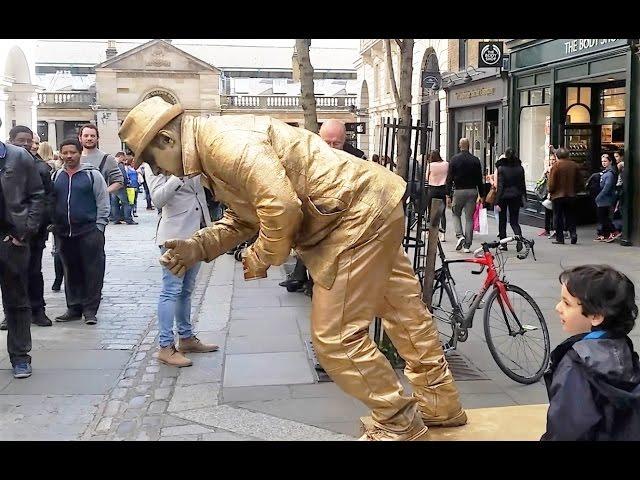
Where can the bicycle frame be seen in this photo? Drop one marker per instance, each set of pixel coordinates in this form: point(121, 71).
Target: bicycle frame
point(492, 280)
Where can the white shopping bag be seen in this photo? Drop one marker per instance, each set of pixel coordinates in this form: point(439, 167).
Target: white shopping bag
point(484, 224)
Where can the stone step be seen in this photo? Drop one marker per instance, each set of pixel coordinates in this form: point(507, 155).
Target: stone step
point(514, 423)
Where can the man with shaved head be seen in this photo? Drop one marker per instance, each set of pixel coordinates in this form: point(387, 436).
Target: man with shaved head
point(465, 179)
point(334, 133)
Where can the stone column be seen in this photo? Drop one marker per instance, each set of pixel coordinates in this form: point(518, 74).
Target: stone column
point(53, 140)
point(108, 126)
point(25, 105)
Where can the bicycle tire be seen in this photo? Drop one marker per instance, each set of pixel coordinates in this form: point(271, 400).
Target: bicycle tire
point(491, 340)
point(442, 318)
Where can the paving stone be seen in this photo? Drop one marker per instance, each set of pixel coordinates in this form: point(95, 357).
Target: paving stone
point(152, 369)
point(157, 407)
point(148, 378)
point(104, 425)
point(126, 382)
point(249, 394)
point(168, 382)
point(113, 407)
point(194, 396)
point(126, 427)
point(265, 427)
point(161, 393)
point(154, 420)
point(284, 368)
point(185, 430)
point(138, 402)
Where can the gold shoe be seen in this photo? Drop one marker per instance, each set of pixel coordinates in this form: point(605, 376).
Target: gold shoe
point(194, 345)
point(440, 406)
point(417, 432)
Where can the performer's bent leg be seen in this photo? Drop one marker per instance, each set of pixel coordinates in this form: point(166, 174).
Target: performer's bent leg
point(411, 328)
point(340, 320)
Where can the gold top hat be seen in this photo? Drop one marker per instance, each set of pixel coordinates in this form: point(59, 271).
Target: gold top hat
point(144, 121)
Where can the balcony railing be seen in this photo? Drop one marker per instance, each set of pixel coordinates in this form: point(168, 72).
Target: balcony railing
point(66, 99)
point(284, 102)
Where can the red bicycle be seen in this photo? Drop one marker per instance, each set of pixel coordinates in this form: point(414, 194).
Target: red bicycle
point(514, 327)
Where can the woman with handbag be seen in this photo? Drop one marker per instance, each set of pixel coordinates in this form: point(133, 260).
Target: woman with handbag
point(510, 192)
point(436, 185)
point(546, 201)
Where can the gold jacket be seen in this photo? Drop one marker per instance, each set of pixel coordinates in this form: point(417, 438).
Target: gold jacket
point(288, 185)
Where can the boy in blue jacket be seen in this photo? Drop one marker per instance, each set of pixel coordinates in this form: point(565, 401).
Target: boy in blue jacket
point(593, 381)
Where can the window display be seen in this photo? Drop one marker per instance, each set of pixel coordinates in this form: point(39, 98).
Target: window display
point(534, 142)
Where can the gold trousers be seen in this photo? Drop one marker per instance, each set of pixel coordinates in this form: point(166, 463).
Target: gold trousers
point(375, 278)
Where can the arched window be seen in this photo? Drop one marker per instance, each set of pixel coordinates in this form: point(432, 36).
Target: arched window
point(578, 105)
point(166, 96)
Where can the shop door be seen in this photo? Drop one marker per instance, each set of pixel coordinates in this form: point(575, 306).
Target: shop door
point(491, 145)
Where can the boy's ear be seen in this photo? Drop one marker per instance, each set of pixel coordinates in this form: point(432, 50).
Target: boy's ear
point(596, 319)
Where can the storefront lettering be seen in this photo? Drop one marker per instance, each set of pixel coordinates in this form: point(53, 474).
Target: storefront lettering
point(479, 92)
point(579, 44)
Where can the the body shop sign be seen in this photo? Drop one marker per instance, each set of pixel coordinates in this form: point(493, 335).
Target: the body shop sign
point(561, 49)
point(580, 44)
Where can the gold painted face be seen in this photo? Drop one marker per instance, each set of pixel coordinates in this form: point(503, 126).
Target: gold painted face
point(164, 154)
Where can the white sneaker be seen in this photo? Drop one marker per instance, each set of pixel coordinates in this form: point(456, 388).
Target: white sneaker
point(467, 250)
point(459, 243)
point(442, 238)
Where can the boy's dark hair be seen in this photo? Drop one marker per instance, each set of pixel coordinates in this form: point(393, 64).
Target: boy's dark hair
point(605, 291)
point(71, 141)
point(13, 133)
point(621, 152)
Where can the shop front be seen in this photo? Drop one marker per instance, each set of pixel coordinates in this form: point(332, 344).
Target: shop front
point(580, 94)
point(478, 111)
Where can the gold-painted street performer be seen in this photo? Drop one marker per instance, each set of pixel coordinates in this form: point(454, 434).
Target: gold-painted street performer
point(344, 217)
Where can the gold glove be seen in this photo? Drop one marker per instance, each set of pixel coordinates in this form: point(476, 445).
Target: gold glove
point(252, 266)
point(181, 255)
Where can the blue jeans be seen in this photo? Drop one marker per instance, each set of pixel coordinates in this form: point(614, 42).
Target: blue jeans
point(117, 198)
point(175, 302)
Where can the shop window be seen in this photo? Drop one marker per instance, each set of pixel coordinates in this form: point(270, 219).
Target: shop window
point(578, 114)
point(536, 97)
point(572, 96)
point(612, 102)
point(534, 142)
point(547, 95)
point(524, 98)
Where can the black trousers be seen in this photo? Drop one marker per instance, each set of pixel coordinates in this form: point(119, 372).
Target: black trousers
point(441, 193)
point(299, 271)
point(83, 260)
point(604, 219)
point(147, 194)
point(513, 205)
point(34, 272)
point(564, 216)
point(548, 219)
point(14, 262)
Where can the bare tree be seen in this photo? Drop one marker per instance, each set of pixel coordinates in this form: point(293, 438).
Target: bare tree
point(402, 97)
point(303, 68)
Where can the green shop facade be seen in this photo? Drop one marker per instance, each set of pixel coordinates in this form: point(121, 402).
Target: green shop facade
point(584, 95)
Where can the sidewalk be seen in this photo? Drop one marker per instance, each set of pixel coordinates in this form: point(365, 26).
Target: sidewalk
point(104, 382)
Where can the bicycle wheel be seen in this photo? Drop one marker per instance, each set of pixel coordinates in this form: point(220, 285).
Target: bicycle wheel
point(521, 351)
point(444, 315)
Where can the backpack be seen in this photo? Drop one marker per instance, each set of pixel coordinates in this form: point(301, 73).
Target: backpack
point(542, 189)
point(593, 184)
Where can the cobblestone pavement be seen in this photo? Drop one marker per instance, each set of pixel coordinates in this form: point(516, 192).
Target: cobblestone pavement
point(104, 382)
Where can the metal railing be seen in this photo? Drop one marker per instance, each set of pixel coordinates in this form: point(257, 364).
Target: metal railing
point(284, 102)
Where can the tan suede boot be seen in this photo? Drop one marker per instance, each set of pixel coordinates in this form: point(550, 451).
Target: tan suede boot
point(440, 406)
point(194, 345)
point(170, 356)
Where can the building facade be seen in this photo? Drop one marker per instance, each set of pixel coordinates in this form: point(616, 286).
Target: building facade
point(18, 91)
point(256, 79)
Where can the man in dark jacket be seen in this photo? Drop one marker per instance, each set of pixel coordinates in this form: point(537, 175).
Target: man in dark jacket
point(81, 213)
point(593, 381)
point(564, 179)
point(465, 180)
point(22, 136)
point(21, 209)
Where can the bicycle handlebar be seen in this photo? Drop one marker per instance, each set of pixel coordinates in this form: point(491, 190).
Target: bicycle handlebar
point(528, 246)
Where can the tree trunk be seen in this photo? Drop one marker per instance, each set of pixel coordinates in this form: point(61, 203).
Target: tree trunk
point(307, 96)
point(403, 99)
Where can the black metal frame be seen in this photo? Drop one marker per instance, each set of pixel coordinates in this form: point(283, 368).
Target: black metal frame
point(415, 203)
